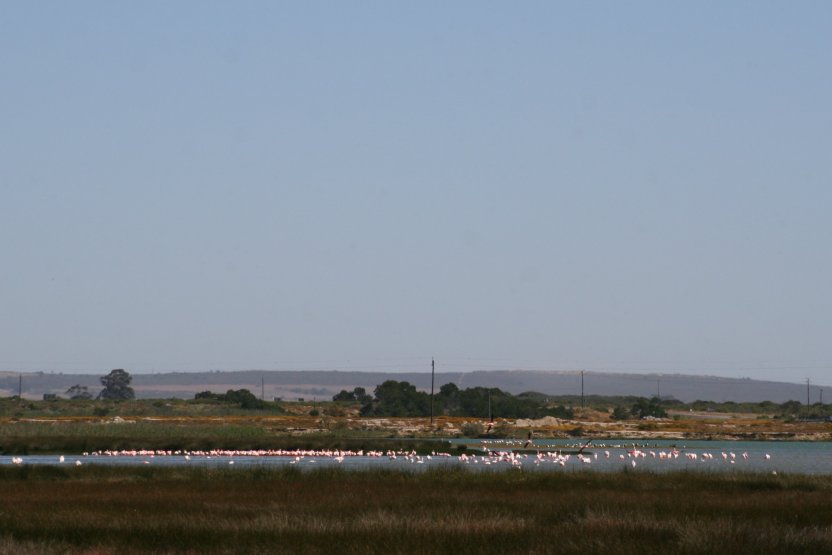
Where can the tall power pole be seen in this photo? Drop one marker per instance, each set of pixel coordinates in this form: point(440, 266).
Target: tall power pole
point(432, 372)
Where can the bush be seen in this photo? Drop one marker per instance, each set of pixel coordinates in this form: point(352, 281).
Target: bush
point(334, 411)
point(472, 429)
point(244, 398)
point(502, 429)
point(652, 407)
point(577, 431)
point(620, 413)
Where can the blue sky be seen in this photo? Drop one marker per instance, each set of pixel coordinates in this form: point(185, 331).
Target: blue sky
point(635, 187)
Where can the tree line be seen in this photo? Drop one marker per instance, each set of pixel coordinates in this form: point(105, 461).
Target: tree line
point(116, 387)
point(395, 398)
point(401, 398)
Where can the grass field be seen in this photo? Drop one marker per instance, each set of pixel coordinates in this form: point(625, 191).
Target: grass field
point(201, 510)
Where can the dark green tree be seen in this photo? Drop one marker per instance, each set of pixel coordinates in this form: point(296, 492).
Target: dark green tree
point(344, 396)
point(791, 408)
point(475, 401)
point(394, 398)
point(242, 397)
point(78, 392)
point(359, 394)
point(245, 398)
point(447, 400)
point(117, 386)
point(620, 413)
point(652, 407)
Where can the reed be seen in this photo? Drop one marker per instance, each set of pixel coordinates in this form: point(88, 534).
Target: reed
point(208, 510)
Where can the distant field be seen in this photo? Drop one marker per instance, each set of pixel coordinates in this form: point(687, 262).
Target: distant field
point(201, 510)
point(29, 427)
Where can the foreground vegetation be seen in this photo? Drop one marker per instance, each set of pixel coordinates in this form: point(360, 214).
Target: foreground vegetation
point(201, 510)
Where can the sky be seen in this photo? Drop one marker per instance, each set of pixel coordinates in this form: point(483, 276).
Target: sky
point(639, 186)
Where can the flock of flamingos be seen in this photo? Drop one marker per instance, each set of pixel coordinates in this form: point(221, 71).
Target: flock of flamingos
point(495, 453)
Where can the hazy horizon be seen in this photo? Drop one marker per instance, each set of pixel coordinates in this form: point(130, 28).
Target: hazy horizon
point(194, 186)
point(453, 370)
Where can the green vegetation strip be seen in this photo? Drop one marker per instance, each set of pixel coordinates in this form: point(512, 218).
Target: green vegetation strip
point(28, 438)
point(205, 510)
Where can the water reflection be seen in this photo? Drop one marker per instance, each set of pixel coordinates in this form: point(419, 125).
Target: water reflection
point(540, 455)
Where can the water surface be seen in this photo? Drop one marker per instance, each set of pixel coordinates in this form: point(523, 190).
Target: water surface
point(554, 455)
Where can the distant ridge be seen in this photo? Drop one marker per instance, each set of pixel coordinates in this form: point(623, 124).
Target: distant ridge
point(323, 384)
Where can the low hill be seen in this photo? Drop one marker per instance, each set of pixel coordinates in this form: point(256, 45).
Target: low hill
point(322, 385)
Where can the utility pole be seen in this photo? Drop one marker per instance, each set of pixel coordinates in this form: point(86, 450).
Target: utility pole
point(582, 389)
point(262, 388)
point(432, 372)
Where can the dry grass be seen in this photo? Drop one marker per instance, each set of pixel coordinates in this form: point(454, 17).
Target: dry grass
point(118, 510)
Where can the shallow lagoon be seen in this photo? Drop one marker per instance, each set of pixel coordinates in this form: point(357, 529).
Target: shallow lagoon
point(553, 455)
point(783, 456)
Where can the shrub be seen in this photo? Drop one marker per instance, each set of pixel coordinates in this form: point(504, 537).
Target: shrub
point(620, 413)
point(472, 429)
